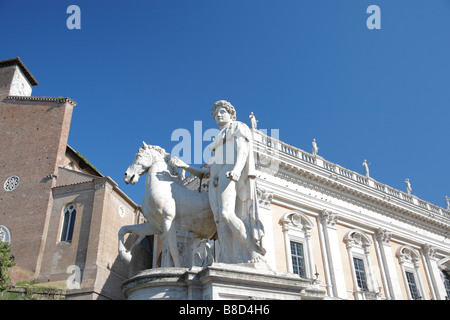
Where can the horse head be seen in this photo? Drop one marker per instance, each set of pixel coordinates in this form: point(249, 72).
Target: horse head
point(143, 160)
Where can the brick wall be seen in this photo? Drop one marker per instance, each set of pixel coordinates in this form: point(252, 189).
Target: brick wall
point(33, 138)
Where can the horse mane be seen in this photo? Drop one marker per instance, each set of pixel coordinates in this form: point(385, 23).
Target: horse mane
point(166, 156)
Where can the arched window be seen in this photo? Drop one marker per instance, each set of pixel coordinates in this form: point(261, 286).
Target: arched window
point(408, 259)
point(5, 235)
point(297, 233)
point(69, 215)
point(358, 248)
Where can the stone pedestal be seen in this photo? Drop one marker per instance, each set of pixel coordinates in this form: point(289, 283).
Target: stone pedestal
point(217, 282)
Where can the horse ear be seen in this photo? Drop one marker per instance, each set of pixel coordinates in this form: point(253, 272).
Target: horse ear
point(144, 145)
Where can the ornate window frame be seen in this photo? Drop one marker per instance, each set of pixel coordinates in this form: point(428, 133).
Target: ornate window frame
point(66, 234)
point(358, 246)
point(297, 227)
point(409, 259)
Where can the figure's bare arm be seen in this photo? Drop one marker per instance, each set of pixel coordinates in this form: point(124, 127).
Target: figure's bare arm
point(199, 172)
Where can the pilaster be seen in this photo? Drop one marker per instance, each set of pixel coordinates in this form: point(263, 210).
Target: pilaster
point(439, 291)
point(265, 214)
point(333, 254)
point(388, 264)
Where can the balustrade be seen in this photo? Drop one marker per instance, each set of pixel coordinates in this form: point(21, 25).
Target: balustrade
point(307, 157)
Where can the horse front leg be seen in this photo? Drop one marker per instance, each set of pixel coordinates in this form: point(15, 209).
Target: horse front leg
point(142, 230)
point(170, 234)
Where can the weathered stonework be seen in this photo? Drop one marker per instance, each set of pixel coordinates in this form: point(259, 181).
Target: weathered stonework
point(51, 175)
point(218, 282)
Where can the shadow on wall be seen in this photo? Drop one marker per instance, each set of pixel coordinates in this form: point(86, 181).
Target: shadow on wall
point(142, 256)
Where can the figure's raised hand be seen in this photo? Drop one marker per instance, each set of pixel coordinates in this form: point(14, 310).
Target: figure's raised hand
point(178, 163)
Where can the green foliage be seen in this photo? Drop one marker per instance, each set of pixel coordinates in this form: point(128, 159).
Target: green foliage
point(32, 292)
point(87, 162)
point(5, 295)
point(27, 283)
point(5, 263)
point(24, 290)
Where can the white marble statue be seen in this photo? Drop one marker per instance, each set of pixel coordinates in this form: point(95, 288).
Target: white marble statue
point(232, 189)
point(366, 167)
point(315, 149)
point(408, 186)
point(253, 121)
point(447, 201)
point(167, 205)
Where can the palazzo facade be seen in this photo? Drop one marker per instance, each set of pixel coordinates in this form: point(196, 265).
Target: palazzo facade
point(360, 238)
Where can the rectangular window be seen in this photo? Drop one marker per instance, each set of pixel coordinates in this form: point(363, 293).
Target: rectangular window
point(412, 285)
point(298, 259)
point(447, 282)
point(360, 273)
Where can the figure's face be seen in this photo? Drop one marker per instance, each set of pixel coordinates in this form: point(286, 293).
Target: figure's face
point(222, 116)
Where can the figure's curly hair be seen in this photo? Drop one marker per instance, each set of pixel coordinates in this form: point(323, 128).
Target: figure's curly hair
point(224, 104)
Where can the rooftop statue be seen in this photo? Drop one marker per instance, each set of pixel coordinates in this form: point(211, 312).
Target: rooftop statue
point(315, 149)
point(232, 189)
point(408, 186)
point(366, 167)
point(253, 121)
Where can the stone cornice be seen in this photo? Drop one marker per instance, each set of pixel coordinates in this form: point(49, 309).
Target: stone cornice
point(295, 165)
point(355, 214)
point(95, 184)
point(386, 209)
point(66, 190)
point(42, 99)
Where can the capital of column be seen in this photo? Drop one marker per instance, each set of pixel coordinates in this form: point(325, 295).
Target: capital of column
point(264, 198)
point(384, 235)
point(430, 251)
point(329, 218)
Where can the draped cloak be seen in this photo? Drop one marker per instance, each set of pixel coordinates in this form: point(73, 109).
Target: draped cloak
point(246, 185)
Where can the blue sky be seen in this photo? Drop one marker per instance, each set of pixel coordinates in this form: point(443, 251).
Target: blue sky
point(311, 68)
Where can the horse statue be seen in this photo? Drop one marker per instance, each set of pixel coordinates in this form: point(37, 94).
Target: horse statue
point(167, 205)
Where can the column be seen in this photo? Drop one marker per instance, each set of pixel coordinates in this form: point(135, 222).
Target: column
point(388, 261)
point(439, 291)
point(333, 254)
point(264, 207)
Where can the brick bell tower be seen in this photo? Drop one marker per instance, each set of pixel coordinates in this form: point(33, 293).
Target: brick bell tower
point(33, 139)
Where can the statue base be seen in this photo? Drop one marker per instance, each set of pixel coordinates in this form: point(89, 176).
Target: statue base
point(220, 281)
